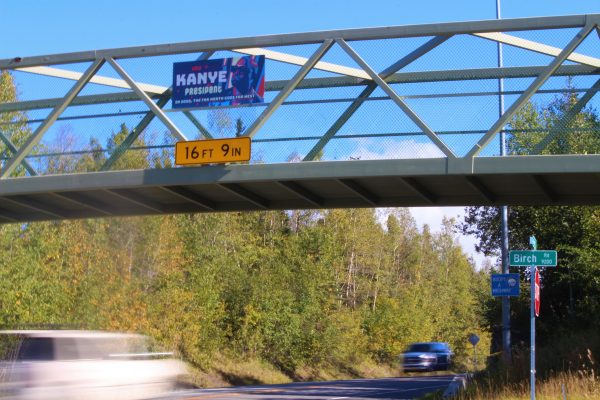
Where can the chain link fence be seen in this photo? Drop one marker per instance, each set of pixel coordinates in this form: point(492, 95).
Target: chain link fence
point(449, 91)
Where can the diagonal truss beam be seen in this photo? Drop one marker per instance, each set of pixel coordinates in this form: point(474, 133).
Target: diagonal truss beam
point(10, 146)
point(538, 47)
point(566, 119)
point(132, 136)
point(156, 89)
point(148, 118)
point(98, 79)
point(203, 131)
point(399, 102)
point(319, 83)
point(36, 136)
point(297, 60)
point(403, 62)
point(530, 91)
point(291, 85)
point(151, 105)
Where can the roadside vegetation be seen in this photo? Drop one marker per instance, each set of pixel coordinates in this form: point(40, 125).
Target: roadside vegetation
point(270, 297)
point(252, 297)
point(301, 295)
point(567, 339)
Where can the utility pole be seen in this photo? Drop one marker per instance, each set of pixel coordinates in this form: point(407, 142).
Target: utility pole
point(506, 345)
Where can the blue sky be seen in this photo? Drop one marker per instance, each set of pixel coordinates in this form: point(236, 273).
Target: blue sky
point(56, 26)
point(36, 27)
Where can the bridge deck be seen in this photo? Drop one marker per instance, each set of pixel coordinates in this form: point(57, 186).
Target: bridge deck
point(523, 180)
point(395, 116)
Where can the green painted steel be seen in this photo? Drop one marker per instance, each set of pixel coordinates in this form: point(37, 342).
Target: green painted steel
point(332, 131)
point(527, 258)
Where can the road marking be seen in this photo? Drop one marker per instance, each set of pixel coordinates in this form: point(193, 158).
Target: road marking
point(211, 396)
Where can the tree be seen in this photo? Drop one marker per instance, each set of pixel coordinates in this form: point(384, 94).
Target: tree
point(133, 159)
point(570, 230)
point(13, 124)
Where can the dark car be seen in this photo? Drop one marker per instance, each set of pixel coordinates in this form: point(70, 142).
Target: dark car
point(429, 356)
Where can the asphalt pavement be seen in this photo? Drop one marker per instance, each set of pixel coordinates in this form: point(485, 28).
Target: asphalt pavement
point(411, 387)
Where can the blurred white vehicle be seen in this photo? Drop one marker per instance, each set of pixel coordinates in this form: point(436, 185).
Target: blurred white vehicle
point(83, 365)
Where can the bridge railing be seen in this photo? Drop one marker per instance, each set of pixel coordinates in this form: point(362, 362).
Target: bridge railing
point(400, 92)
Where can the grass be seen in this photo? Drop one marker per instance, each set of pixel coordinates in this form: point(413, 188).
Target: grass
point(566, 369)
point(231, 372)
point(226, 371)
point(567, 385)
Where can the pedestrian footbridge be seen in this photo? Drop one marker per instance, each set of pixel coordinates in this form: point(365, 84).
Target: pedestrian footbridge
point(470, 113)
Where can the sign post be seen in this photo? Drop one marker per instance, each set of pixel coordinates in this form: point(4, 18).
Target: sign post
point(537, 292)
point(474, 339)
point(532, 273)
point(533, 259)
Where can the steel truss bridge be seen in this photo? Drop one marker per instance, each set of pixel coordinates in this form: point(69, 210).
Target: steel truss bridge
point(377, 117)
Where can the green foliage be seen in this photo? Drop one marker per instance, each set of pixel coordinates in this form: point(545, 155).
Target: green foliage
point(13, 124)
point(299, 290)
point(330, 288)
point(569, 292)
point(569, 131)
point(132, 159)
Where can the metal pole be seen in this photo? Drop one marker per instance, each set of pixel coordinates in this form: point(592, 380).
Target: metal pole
point(506, 345)
point(532, 316)
point(532, 269)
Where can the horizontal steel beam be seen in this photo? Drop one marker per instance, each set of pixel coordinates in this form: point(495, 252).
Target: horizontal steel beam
point(252, 173)
point(313, 83)
point(452, 28)
point(519, 180)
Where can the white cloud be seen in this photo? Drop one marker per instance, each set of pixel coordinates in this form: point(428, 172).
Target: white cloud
point(400, 149)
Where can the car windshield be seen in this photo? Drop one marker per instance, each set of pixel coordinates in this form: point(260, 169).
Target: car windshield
point(427, 348)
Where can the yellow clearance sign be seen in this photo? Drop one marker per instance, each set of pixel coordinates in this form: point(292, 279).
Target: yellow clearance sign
point(212, 151)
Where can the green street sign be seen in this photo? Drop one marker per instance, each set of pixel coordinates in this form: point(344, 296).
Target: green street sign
point(526, 258)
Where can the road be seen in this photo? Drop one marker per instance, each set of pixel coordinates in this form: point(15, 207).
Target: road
point(367, 389)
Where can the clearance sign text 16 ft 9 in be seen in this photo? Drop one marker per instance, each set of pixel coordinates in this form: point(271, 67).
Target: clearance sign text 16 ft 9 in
point(212, 151)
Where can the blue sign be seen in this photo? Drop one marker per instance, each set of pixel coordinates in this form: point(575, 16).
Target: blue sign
point(219, 82)
point(505, 285)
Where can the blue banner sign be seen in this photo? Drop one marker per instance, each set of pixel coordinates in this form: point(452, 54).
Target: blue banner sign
point(505, 285)
point(219, 82)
